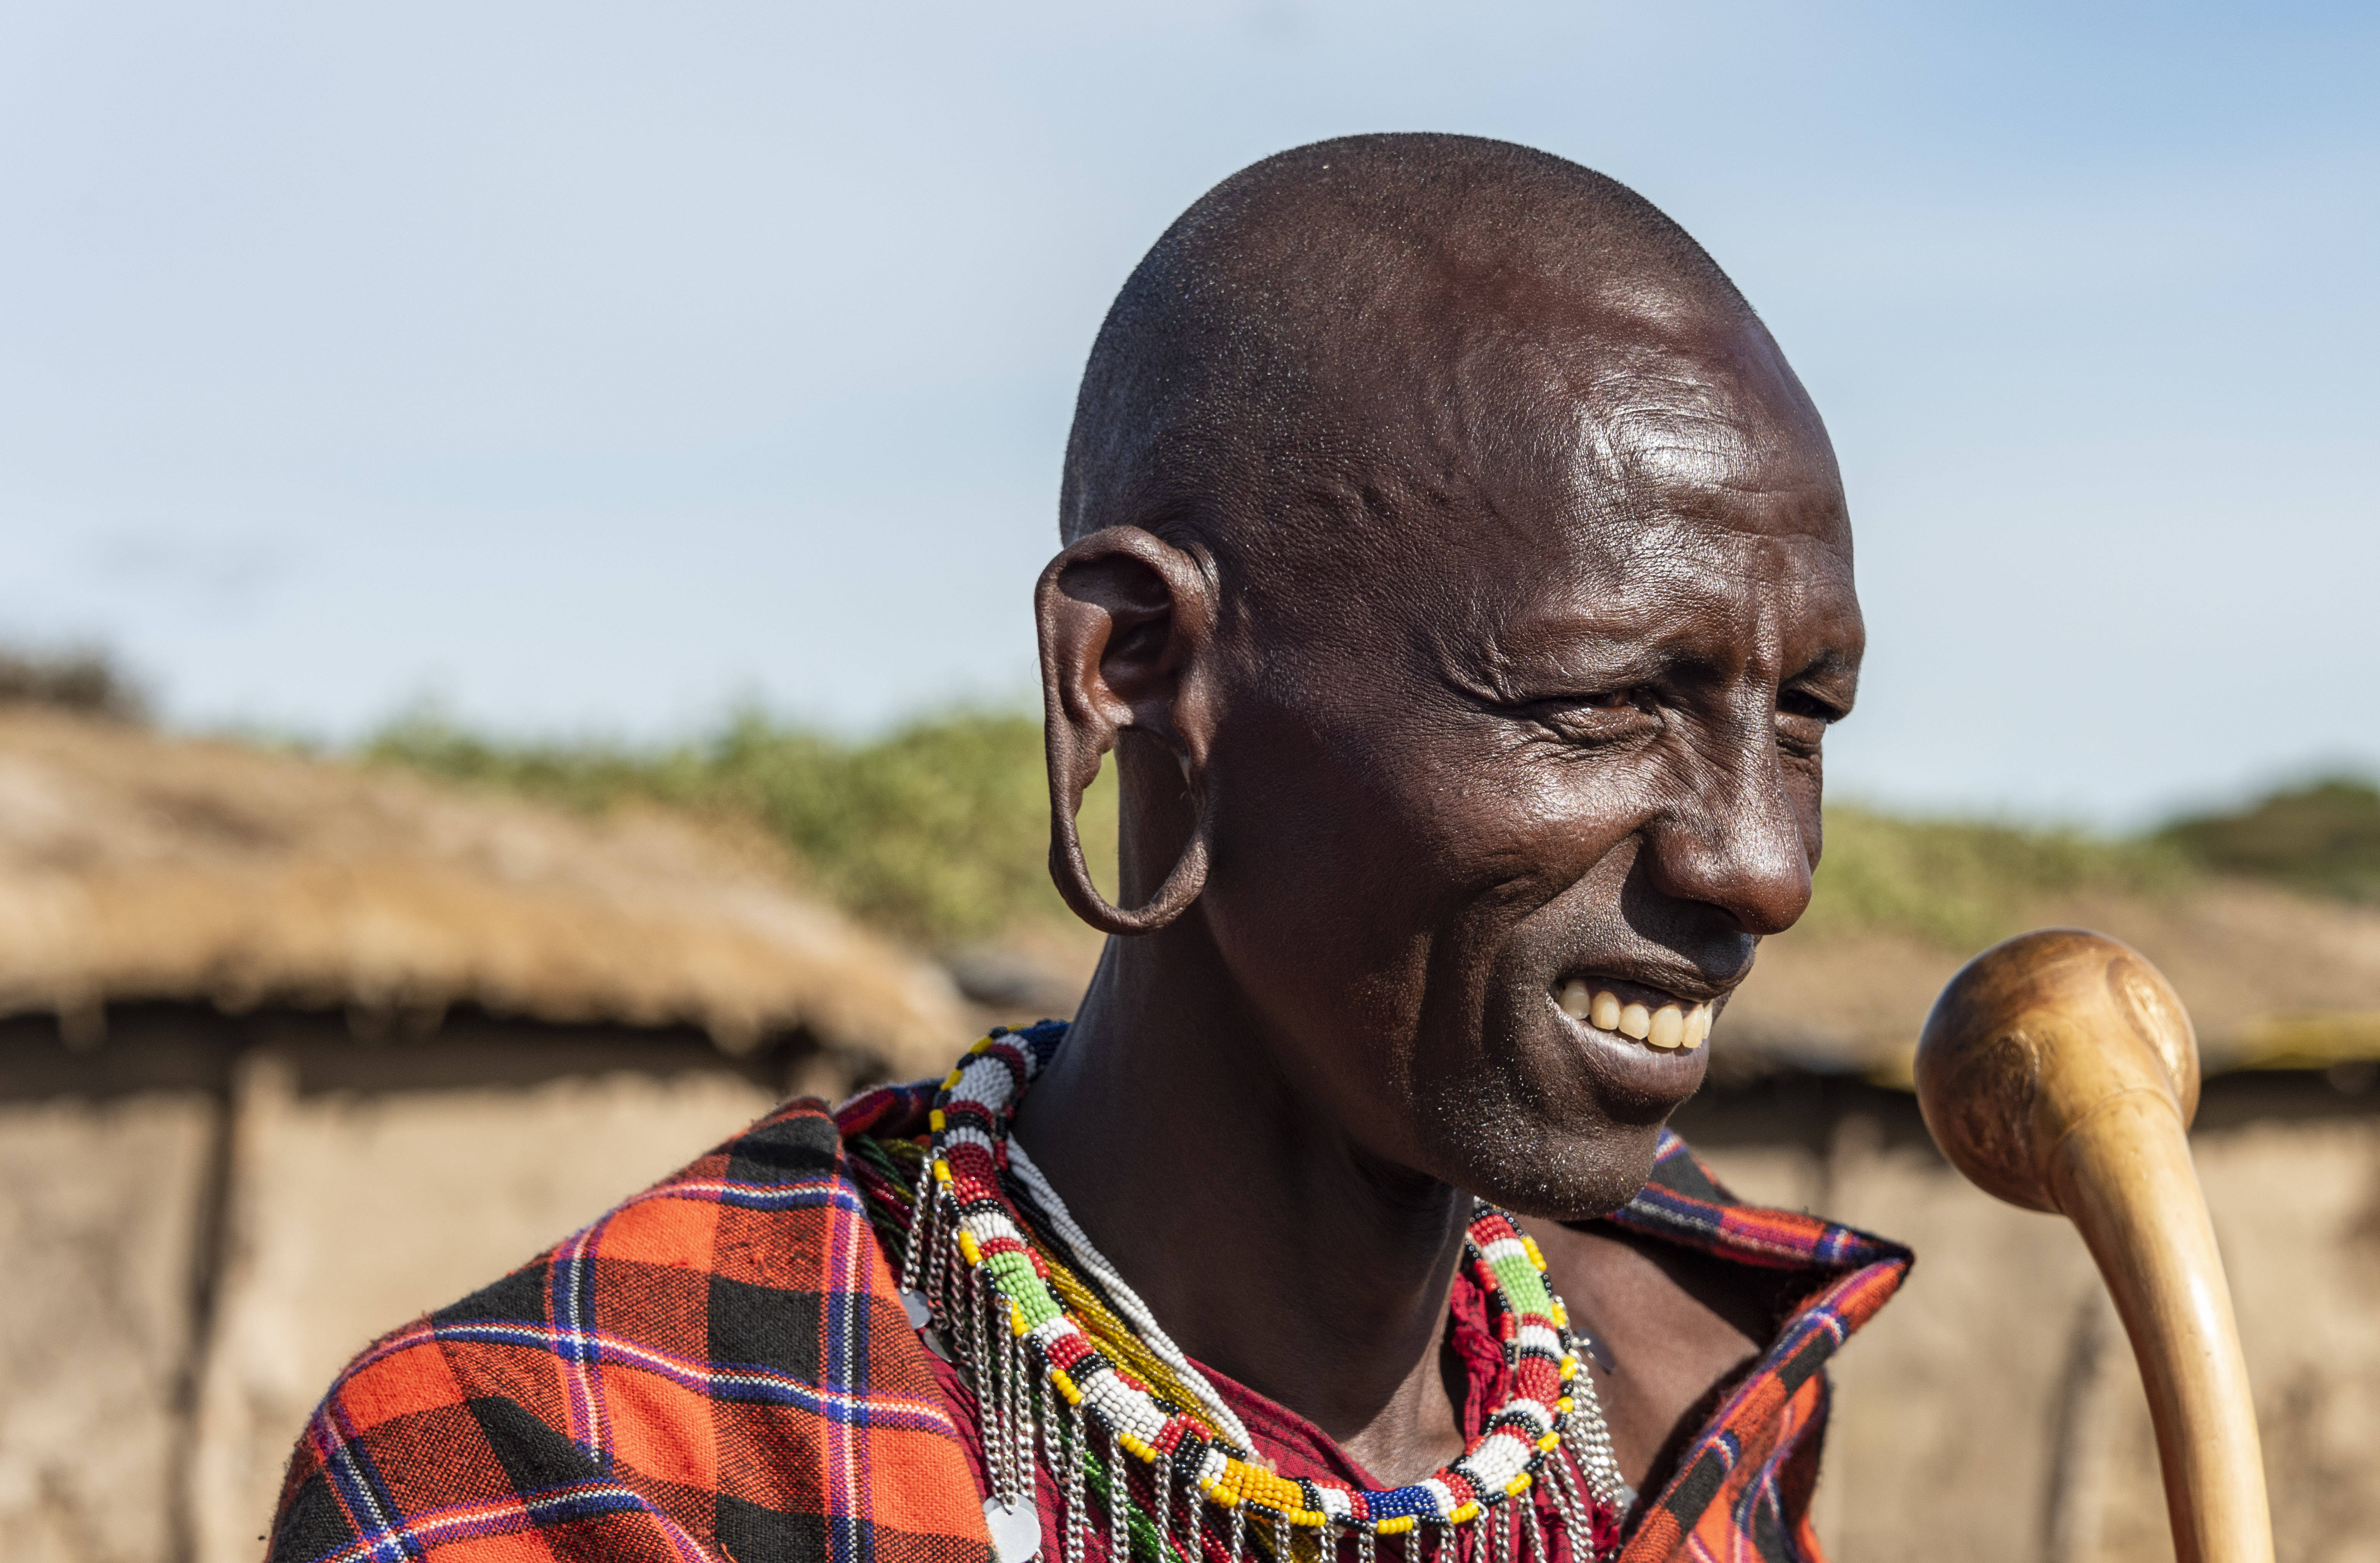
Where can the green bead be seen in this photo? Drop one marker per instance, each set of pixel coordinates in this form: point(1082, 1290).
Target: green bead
point(1525, 1289)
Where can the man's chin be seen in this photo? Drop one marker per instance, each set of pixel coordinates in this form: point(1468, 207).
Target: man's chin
point(1560, 1121)
point(1562, 1173)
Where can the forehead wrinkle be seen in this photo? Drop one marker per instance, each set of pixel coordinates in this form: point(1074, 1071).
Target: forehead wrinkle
point(1662, 415)
point(1644, 475)
point(1670, 432)
point(1667, 444)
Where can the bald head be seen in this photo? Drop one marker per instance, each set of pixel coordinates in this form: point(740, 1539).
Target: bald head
point(1354, 334)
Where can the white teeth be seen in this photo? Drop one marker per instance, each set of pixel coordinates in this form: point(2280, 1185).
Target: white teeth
point(1672, 1028)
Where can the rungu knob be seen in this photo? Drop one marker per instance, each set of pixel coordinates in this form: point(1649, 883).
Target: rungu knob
point(2058, 1071)
point(2034, 1036)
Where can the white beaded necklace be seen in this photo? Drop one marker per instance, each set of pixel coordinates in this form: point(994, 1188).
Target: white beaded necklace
point(971, 1268)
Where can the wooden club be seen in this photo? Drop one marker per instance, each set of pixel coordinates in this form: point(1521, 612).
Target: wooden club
point(2059, 1072)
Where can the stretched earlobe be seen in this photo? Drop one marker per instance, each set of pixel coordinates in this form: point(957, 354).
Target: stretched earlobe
point(1125, 581)
point(1072, 875)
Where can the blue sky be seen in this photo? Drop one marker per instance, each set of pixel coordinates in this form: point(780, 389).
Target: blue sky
point(581, 365)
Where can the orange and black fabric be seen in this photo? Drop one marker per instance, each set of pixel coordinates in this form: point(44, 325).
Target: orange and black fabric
point(721, 1371)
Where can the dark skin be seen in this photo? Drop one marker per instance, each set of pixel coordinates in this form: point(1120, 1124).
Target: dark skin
point(1572, 733)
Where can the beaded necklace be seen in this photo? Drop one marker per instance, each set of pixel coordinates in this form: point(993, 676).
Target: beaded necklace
point(1013, 1318)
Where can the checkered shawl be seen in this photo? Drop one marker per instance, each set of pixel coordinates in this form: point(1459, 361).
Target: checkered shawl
point(720, 1369)
point(1743, 1488)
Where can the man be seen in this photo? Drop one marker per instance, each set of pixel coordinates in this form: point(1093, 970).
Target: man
point(1462, 583)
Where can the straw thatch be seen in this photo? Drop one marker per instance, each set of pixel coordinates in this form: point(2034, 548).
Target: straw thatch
point(136, 866)
point(2271, 978)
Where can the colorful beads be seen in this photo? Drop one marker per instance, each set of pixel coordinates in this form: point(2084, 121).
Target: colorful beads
point(965, 1208)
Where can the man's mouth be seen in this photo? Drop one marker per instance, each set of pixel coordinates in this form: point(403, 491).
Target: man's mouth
point(1637, 1013)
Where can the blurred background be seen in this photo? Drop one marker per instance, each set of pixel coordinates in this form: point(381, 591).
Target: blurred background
point(514, 651)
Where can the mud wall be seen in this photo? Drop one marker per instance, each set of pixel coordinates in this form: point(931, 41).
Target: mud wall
point(1992, 1413)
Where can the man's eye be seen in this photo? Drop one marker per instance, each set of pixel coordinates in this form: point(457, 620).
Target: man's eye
point(1802, 721)
point(1603, 716)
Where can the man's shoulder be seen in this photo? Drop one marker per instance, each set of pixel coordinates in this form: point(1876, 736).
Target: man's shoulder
point(1710, 1320)
point(661, 1375)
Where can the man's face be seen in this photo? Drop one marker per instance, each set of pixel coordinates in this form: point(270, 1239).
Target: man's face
point(1565, 744)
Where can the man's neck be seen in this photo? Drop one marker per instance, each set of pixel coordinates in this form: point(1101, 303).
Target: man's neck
point(1269, 1247)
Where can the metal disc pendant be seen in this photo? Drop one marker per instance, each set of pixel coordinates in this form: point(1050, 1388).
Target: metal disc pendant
point(1015, 1529)
point(922, 1319)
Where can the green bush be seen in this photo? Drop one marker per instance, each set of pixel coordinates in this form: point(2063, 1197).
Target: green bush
point(2323, 838)
point(88, 681)
point(1964, 884)
point(939, 831)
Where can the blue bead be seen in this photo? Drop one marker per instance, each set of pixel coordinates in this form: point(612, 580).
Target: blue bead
point(1416, 1501)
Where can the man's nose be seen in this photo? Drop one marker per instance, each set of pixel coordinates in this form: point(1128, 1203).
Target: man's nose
point(1734, 841)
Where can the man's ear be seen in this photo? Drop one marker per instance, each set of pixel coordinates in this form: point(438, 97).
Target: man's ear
point(1126, 622)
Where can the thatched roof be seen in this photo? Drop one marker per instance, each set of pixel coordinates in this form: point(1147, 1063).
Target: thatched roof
point(138, 866)
point(2271, 979)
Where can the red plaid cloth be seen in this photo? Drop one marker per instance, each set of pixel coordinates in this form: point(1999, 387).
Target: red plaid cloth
point(1742, 1488)
point(720, 1369)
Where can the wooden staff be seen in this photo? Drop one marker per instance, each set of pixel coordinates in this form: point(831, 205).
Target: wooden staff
point(2059, 1072)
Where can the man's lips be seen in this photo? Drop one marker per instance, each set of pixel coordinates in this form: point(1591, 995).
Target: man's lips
point(1626, 1011)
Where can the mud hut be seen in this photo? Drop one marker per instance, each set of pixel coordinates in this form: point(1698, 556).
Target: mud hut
point(290, 1051)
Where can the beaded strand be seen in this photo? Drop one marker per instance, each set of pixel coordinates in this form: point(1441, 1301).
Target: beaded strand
point(970, 1262)
point(1085, 1258)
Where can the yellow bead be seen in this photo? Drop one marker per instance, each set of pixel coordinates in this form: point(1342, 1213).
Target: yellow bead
point(970, 1248)
point(1529, 1246)
point(951, 1081)
point(1066, 1383)
point(1562, 1315)
point(1549, 1441)
point(1396, 1527)
point(1465, 1515)
point(981, 1045)
point(936, 1120)
point(1565, 1405)
point(941, 1171)
point(1517, 1486)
